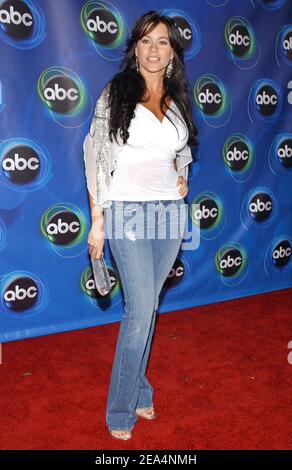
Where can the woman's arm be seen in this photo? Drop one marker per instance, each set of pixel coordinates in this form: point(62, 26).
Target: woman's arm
point(96, 211)
point(183, 186)
point(95, 148)
point(95, 238)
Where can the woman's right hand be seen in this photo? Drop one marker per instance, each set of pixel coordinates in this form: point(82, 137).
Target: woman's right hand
point(95, 239)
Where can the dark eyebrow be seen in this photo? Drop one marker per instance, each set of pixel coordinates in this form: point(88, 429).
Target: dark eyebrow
point(160, 37)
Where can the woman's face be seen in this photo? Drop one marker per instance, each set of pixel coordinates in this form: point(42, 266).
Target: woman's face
point(154, 50)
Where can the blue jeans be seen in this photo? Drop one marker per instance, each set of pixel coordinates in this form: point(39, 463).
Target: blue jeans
point(144, 249)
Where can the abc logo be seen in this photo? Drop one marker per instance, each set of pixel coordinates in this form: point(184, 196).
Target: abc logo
point(102, 26)
point(260, 207)
point(206, 215)
point(63, 228)
point(237, 155)
point(210, 98)
point(175, 275)
point(21, 164)
point(236, 39)
point(184, 29)
point(284, 153)
point(91, 287)
point(287, 43)
point(282, 253)
point(239, 40)
point(21, 294)
point(230, 262)
point(61, 94)
point(17, 20)
point(266, 100)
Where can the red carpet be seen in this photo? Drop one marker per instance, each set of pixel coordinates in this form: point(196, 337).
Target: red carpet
point(220, 373)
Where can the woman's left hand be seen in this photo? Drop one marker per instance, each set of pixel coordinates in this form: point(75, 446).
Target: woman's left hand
point(183, 186)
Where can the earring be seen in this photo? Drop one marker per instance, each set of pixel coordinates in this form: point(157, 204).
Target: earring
point(137, 65)
point(168, 71)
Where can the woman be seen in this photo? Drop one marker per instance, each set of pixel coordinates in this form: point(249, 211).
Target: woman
point(143, 169)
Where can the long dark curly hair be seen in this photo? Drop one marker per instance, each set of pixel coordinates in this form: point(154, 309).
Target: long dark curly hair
point(128, 86)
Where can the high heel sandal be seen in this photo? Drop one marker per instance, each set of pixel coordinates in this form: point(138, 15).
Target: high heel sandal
point(147, 413)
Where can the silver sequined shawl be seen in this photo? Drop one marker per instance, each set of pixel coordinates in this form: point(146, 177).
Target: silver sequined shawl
point(100, 157)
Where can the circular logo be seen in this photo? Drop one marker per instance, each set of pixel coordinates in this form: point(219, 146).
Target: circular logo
point(21, 294)
point(281, 254)
point(260, 206)
point(63, 228)
point(210, 98)
point(284, 153)
point(229, 262)
point(266, 100)
point(16, 19)
point(21, 164)
point(237, 155)
point(239, 40)
point(175, 276)
point(61, 94)
point(205, 213)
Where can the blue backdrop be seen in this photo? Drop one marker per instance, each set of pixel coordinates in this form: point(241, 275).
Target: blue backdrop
point(56, 57)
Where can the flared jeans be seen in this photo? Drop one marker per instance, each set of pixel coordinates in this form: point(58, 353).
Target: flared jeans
point(144, 238)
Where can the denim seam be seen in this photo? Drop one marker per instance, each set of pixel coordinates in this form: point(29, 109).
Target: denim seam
point(139, 377)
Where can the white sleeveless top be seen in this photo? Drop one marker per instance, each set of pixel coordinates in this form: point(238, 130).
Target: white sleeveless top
point(145, 167)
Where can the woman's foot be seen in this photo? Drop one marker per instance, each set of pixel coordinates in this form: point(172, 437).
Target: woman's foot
point(147, 413)
point(124, 435)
